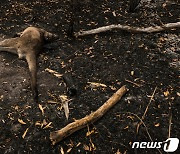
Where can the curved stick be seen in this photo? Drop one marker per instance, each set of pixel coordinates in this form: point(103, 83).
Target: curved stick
point(59, 135)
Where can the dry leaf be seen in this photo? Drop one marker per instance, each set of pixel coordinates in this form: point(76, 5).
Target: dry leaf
point(54, 73)
point(141, 45)
point(126, 127)
point(65, 101)
point(157, 125)
point(52, 102)
point(63, 64)
point(44, 122)
point(59, 108)
point(132, 73)
point(78, 144)
point(38, 123)
point(23, 136)
point(166, 93)
point(69, 150)
point(95, 84)
point(164, 5)
point(114, 13)
point(1, 97)
point(86, 147)
point(71, 144)
point(41, 108)
point(63, 98)
point(118, 152)
point(48, 125)
point(62, 150)
point(21, 122)
point(131, 117)
point(113, 88)
point(93, 146)
point(66, 109)
point(16, 107)
point(90, 132)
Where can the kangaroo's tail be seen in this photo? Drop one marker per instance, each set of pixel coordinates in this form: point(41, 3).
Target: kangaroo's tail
point(32, 64)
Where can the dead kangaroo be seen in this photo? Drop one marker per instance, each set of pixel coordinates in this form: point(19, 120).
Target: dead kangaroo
point(27, 45)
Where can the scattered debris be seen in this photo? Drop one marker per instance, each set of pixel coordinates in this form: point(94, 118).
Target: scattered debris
point(41, 108)
point(54, 73)
point(23, 136)
point(95, 84)
point(64, 99)
point(21, 122)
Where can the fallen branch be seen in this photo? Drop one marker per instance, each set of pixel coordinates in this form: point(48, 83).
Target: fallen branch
point(129, 29)
point(59, 135)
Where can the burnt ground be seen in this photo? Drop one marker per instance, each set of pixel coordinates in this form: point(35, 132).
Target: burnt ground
point(146, 63)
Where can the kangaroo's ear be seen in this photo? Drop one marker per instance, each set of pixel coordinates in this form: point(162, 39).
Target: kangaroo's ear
point(48, 37)
point(32, 64)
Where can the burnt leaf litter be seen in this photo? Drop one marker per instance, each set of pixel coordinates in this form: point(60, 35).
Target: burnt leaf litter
point(99, 64)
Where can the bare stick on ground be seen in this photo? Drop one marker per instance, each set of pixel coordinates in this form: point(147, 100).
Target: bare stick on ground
point(59, 135)
point(130, 29)
point(151, 98)
point(170, 119)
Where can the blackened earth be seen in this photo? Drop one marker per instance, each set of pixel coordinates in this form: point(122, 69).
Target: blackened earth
point(147, 63)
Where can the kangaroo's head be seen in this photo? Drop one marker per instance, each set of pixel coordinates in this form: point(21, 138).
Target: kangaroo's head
point(49, 37)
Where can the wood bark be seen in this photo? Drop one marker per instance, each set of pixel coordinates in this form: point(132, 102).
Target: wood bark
point(59, 135)
point(129, 29)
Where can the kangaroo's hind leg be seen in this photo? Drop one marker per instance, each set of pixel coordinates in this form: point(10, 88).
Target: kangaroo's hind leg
point(8, 49)
point(32, 64)
point(9, 45)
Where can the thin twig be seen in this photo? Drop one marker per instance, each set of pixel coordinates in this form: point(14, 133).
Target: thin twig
point(140, 119)
point(151, 98)
point(133, 83)
point(142, 122)
point(170, 119)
